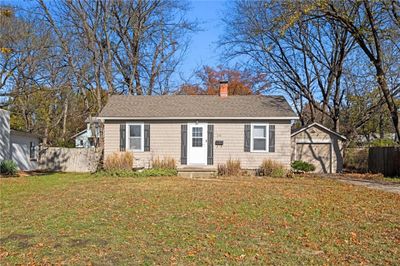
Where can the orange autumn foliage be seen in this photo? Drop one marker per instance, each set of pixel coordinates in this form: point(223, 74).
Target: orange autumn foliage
point(239, 82)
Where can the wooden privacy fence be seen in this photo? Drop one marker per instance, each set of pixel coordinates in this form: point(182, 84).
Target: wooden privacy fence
point(385, 160)
point(68, 159)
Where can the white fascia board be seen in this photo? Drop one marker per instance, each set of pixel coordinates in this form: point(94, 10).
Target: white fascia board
point(198, 118)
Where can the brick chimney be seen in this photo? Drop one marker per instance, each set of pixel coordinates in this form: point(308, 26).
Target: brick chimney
point(223, 88)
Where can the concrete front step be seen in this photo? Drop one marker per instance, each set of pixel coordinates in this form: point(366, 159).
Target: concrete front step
point(197, 172)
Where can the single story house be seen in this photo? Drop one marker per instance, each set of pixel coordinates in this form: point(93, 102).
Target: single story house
point(18, 146)
point(85, 138)
point(320, 146)
point(200, 130)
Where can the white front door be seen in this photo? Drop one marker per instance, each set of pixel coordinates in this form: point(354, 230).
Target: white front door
point(197, 144)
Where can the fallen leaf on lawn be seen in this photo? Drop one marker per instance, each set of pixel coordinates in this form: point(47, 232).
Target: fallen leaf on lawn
point(4, 254)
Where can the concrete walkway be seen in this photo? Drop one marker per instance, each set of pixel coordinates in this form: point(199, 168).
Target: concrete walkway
point(388, 187)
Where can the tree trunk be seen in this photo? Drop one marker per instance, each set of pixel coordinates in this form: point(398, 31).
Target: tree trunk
point(46, 136)
point(335, 121)
point(381, 129)
point(312, 113)
point(65, 115)
point(381, 79)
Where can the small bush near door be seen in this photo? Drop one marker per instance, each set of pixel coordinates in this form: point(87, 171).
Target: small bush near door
point(119, 161)
point(272, 168)
point(231, 168)
point(8, 168)
point(302, 166)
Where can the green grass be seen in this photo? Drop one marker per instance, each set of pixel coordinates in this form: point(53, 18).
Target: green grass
point(395, 179)
point(83, 219)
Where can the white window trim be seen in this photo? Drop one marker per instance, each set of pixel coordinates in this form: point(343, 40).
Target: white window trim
point(127, 138)
point(266, 138)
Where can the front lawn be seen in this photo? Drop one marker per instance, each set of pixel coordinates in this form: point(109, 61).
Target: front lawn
point(84, 219)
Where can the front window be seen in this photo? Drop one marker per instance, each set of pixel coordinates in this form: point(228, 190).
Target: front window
point(259, 137)
point(135, 137)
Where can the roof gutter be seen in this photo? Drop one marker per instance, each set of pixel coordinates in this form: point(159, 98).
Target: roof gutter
point(197, 118)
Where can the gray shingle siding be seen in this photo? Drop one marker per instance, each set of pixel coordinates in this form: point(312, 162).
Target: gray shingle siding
point(165, 137)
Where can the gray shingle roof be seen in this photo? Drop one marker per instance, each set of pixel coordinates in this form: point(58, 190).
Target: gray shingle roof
point(192, 106)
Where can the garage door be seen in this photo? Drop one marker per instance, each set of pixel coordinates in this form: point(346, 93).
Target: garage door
point(319, 154)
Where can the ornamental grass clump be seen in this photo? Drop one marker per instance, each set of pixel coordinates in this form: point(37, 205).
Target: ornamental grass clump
point(166, 163)
point(232, 167)
point(143, 173)
point(120, 164)
point(119, 161)
point(272, 168)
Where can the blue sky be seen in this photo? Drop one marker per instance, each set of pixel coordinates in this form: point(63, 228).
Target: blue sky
point(203, 48)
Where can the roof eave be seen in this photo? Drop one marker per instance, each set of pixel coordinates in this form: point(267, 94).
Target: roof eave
point(79, 133)
point(318, 125)
point(24, 133)
point(197, 118)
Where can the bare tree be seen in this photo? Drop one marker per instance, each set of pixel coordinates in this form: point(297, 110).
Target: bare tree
point(374, 25)
point(150, 39)
point(23, 44)
point(373, 42)
point(305, 60)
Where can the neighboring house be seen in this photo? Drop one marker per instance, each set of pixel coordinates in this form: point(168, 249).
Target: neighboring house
point(21, 147)
point(85, 138)
point(24, 150)
point(201, 130)
point(320, 146)
point(4, 135)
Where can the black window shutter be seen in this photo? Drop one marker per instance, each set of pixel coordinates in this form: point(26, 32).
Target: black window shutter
point(122, 137)
point(183, 144)
point(210, 145)
point(271, 138)
point(247, 136)
point(147, 137)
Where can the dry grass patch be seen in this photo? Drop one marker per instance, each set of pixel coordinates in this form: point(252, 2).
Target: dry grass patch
point(79, 219)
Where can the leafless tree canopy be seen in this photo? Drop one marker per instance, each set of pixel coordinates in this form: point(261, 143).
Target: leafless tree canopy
point(316, 50)
point(85, 50)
